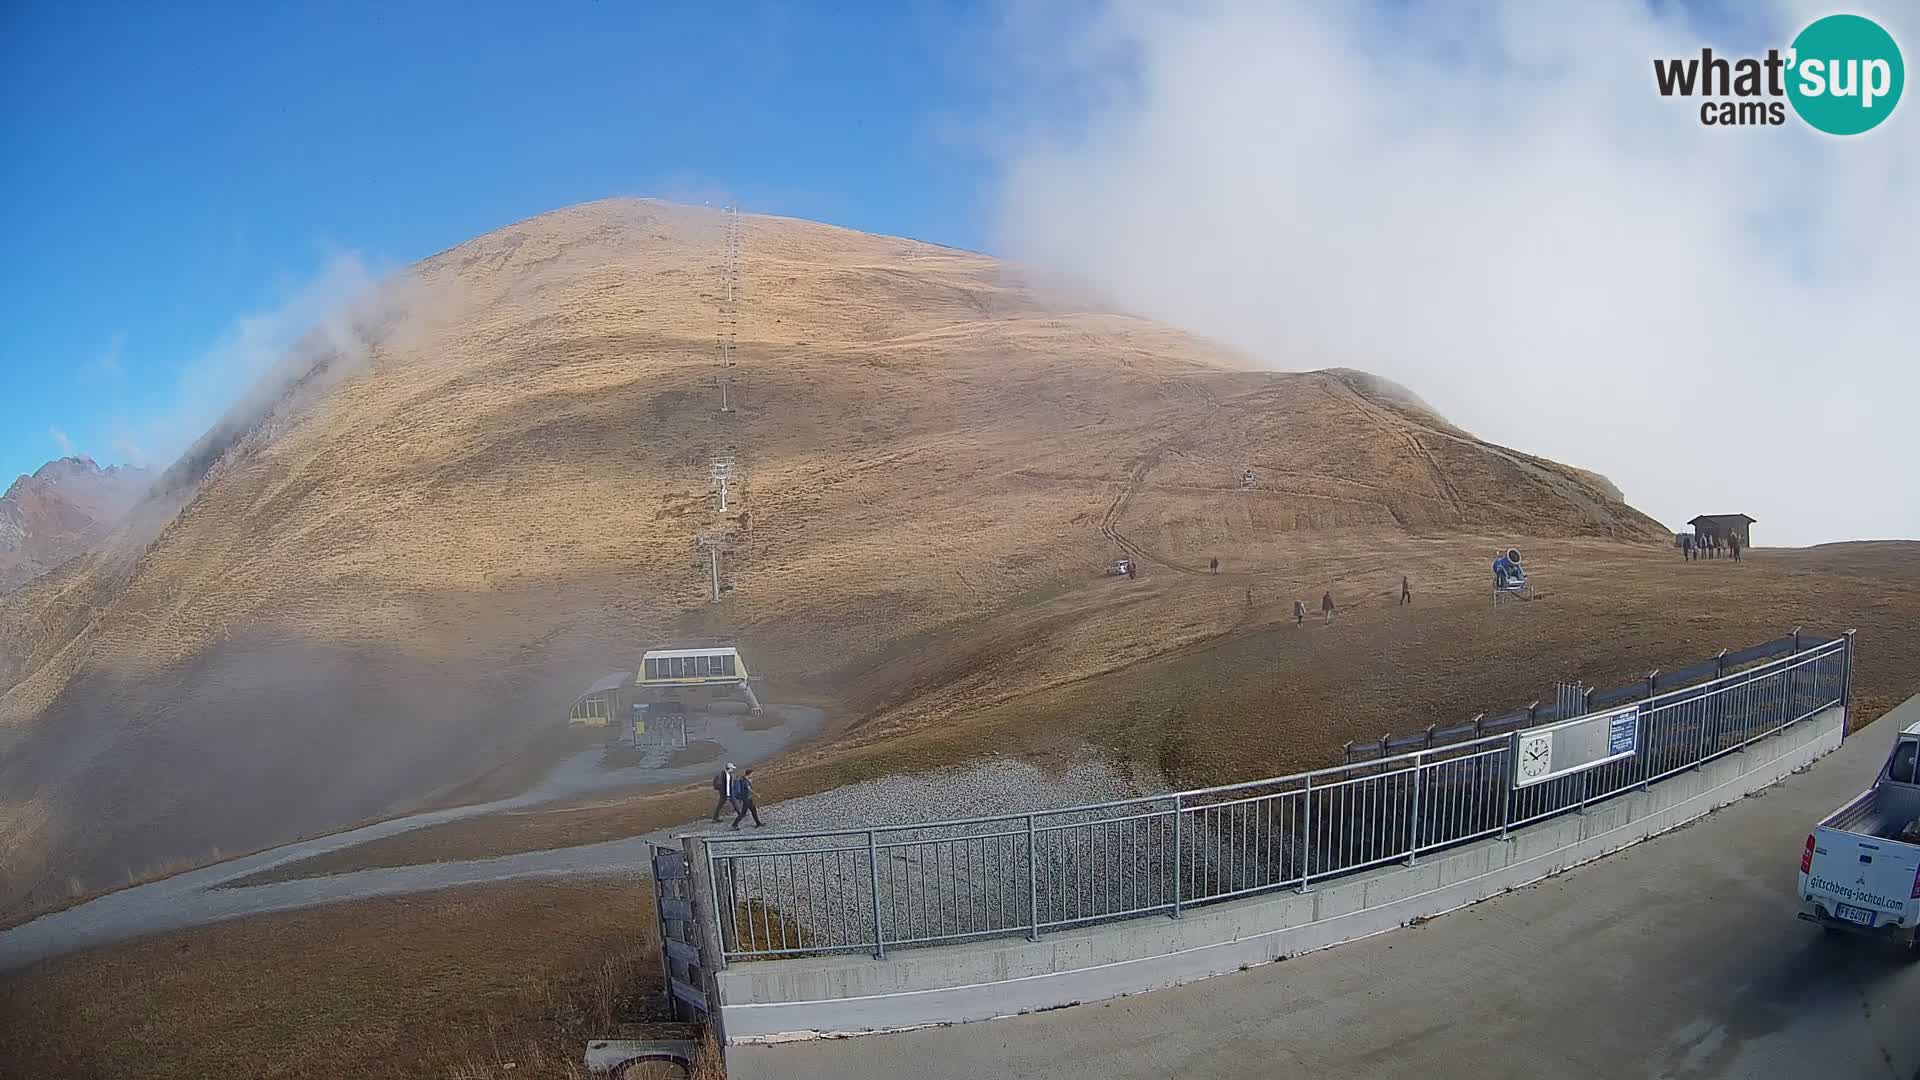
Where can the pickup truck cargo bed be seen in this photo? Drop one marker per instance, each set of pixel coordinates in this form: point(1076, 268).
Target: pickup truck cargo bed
point(1860, 871)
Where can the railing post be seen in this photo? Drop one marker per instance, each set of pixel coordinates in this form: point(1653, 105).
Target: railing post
point(1033, 886)
point(703, 895)
point(1720, 665)
point(1586, 789)
point(873, 879)
point(1846, 680)
point(1413, 850)
point(1506, 785)
point(1179, 877)
point(660, 920)
point(1653, 678)
point(1306, 838)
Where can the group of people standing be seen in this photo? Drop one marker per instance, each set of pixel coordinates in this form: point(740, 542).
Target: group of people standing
point(1709, 546)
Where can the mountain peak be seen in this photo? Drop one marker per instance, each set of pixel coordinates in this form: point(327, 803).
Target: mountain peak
point(54, 514)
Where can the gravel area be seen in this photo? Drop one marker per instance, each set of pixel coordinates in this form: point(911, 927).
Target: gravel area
point(1001, 786)
point(949, 882)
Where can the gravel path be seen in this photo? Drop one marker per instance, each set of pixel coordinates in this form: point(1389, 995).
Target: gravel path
point(194, 898)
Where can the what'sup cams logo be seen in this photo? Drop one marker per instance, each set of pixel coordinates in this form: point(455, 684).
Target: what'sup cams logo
point(1842, 75)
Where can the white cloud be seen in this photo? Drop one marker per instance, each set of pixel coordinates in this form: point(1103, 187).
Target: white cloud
point(130, 451)
point(207, 385)
point(61, 440)
point(1491, 204)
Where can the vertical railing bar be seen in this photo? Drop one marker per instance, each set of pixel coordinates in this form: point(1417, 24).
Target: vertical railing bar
point(1506, 788)
point(809, 865)
point(926, 894)
point(1306, 856)
point(766, 927)
point(1413, 846)
point(785, 903)
point(1033, 885)
point(1178, 881)
point(873, 881)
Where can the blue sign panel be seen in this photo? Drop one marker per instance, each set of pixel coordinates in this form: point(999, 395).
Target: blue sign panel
point(1623, 733)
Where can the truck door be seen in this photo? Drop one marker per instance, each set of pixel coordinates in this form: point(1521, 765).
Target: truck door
point(1900, 791)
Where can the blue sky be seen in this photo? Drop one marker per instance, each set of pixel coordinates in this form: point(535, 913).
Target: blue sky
point(1430, 190)
point(171, 169)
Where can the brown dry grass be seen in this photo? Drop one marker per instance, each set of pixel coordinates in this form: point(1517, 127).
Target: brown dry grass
point(77, 892)
point(451, 984)
point(1267, 697)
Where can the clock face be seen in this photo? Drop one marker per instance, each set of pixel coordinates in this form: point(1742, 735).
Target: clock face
point(1536, 756)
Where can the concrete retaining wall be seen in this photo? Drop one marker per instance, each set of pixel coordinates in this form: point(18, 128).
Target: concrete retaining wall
point(769, 1001)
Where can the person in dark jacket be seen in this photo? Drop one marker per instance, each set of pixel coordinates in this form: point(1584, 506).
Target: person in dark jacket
point(1326, 606)
point(743, 798)
point(727, 786)
point(1406, 590)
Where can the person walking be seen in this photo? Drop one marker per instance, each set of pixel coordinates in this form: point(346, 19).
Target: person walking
point(1326, 606)
point(1213, 566)
point(1733, 547)
point(1129, 569)
point(1299, 613)
point(727, 786)
point(1406, 590)
point(744, 800)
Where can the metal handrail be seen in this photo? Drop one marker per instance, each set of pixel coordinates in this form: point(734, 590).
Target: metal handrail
point(1074, 865)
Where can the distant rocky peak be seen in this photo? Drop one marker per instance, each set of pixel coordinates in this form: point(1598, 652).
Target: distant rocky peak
point(59, 511)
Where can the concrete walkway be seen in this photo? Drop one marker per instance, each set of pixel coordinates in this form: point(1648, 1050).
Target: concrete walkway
point(195, 898)
point(1680, 957)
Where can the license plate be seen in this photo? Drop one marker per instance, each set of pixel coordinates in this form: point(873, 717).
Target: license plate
point(1853, 914)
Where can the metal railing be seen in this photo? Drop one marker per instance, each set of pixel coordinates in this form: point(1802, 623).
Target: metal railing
point(950, 881)
point(1595, 699)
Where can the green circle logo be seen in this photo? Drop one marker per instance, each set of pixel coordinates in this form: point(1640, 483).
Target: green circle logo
point(1846, 74)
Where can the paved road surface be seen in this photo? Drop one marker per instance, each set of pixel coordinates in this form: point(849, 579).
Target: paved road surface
point(193, 898)
point(1677, 958)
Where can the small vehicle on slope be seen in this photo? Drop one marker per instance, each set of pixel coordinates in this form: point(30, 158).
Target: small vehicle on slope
point(1860, 872)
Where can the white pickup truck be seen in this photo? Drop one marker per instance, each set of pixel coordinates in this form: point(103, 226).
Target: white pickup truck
point(1861, 868)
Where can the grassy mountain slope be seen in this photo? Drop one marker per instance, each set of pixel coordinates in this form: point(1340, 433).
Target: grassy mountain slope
point(455, 508)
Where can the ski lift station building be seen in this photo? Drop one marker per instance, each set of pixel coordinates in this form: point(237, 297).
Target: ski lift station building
point(600, 703)
point(668, 670)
